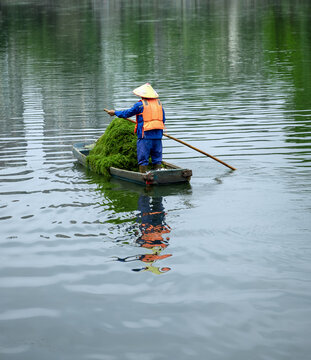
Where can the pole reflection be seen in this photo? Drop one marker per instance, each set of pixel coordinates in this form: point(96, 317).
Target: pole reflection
point(153, 235)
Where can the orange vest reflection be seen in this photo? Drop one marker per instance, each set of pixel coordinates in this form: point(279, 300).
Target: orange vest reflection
point(153, 230)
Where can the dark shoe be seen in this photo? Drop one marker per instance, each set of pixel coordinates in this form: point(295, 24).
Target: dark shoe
point(157, 166)
point(143, 168)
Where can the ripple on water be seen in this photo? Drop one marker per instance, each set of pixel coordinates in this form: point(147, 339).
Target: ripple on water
point(28, 313)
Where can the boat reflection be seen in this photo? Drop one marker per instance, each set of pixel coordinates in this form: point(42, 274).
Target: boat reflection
point(152, 235)
point(136, 219)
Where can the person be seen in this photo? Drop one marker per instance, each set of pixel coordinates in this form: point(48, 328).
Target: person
point(150, 119)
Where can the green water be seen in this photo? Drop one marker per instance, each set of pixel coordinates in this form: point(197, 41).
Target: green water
point(95, 269)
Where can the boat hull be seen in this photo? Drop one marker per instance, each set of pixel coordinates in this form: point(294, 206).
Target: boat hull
point(172, 174)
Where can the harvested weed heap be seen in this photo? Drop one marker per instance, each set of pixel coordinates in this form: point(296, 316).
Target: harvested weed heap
point(116, 147)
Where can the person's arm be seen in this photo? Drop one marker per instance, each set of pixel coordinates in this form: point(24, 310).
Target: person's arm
point(134, 110)
point(110, 112)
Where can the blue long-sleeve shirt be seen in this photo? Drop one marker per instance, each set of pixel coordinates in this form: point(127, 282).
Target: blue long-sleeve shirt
point(135, 110)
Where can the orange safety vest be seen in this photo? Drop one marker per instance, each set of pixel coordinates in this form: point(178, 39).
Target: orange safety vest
point(152, 114)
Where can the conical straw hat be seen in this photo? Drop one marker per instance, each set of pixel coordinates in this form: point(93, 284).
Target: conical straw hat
point(146, 91)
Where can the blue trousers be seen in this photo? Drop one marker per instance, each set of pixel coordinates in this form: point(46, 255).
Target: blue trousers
point(147, 148)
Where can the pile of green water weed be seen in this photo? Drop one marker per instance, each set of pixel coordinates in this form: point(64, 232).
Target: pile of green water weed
point(116, 148)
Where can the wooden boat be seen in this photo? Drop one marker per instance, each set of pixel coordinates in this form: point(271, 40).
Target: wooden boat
point(171, 174)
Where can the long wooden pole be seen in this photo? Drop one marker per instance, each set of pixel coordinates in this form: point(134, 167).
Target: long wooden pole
point(194, 148)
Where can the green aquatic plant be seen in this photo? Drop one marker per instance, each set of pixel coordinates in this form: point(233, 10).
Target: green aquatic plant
point(116, 148)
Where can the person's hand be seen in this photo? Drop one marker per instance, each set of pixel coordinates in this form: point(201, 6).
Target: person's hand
point(110, 112)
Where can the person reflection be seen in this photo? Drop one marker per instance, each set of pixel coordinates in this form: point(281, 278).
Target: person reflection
point(153, 235)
